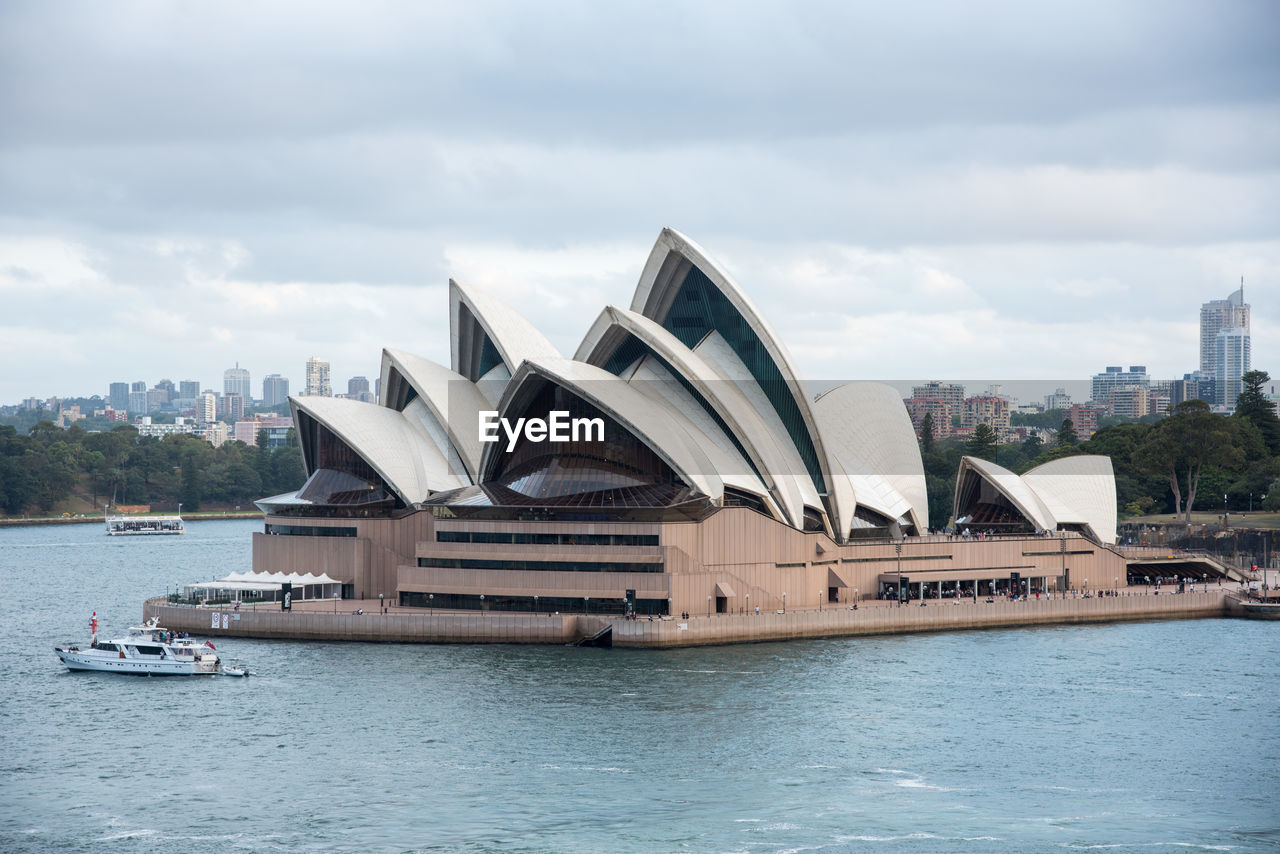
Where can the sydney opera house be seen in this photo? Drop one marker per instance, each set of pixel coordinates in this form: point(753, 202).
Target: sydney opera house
point(675, 463)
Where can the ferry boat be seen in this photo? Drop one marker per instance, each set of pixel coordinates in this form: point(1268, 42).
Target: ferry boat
point(130, 525)
point(147, 650)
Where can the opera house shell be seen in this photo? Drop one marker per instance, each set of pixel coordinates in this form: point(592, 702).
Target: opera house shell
point(705, 475)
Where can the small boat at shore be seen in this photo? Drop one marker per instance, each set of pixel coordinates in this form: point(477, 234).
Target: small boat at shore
point(127, 526)
point(146, 650)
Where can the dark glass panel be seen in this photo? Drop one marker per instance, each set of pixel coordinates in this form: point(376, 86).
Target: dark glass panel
point(620, 471)
point(700, 307)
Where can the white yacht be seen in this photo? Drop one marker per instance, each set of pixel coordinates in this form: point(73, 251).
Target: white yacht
point(146, 650)
point(118, 526)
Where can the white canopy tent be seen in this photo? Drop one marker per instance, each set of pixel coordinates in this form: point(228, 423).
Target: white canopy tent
point(265, 587)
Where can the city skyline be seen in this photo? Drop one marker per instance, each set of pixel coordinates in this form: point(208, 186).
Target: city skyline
point(1080, 180)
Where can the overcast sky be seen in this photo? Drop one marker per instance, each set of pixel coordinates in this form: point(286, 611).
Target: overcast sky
point(1020, 191)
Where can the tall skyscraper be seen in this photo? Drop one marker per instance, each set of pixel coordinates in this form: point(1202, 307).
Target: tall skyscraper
point(236, 381)
point(138, 399)
point(188, 389)
point(1231, 352)
point(118, 397)
point(275, 390)
point(318, 378)
point(1215, 316)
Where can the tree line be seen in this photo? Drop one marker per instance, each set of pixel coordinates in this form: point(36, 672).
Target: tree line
point(49, 466)
point(1189, 458)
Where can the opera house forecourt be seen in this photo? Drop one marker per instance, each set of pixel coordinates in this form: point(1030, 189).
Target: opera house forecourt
point(674, 467)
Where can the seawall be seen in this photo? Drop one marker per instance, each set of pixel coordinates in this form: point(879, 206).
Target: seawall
point(496, 627)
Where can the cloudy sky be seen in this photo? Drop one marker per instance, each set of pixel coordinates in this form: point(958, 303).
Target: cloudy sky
point(1014, 191)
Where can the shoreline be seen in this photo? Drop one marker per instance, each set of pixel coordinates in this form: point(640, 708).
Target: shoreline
point(101, 520)
point(404, 625)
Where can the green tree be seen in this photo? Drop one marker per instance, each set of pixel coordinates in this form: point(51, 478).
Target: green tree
point(1180, 446)
point(1067, 434)
point(926, 433)
point(1252, 404)
point(982, 443)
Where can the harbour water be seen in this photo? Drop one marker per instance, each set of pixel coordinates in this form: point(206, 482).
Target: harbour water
point(1122, 737)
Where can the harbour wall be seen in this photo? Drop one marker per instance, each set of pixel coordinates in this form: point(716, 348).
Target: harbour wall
point(494, 627)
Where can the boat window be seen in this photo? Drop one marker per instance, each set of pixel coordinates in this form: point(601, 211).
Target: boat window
point(150, 650)
point(109, 647)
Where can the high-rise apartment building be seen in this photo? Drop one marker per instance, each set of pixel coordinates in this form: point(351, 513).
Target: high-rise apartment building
point(233, 405)
point(952, 394)
point(938, 410)
point(188, 389)
point(1117, 377)
point(275, 390)
point(118, 397)
point(1083, 418)
point(1130, 401)
point(318, 378)
point(207, 407)
point(989, 409)
point(1232, 358)
point(236, 381)
point(1215, 316)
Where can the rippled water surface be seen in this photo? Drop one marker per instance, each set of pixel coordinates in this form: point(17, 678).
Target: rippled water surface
point(1141, 737)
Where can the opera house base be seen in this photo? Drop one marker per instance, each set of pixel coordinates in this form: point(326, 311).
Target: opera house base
point(493, 627)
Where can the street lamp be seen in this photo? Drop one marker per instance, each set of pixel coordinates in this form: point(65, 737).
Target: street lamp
point(819, 600)
point(784, 601)
point(180, 508)
point(748, 603)
point(481, 601)
point(431, 602)
point(708, 606)
point(535, 604)
point(586, 604)
point(897, 547)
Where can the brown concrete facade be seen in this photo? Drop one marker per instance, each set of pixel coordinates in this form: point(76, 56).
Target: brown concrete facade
point(399, 626)
point(732, 562)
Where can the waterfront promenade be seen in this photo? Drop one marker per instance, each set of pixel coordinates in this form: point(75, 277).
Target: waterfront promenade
point(334, 620)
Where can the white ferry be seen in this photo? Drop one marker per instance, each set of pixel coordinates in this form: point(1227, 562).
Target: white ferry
point(118, 526)
point(148, 650)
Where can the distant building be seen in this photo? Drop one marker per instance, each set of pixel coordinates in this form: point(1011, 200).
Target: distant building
point(118, 396)
point(1116, 377)
point(179, 425)
point(318, 378)
point(215, 433)
point(275, 390)
point(989, 409)
point(1058, 400)
point(1232, 361)
point(1193, 386)
point(232, 406)
point(138, 401)
point(1215, 316)
point(940, 411)
point(247, 431)
point(358, 389)
point(1083, 418)
point(1131, 401)
point(207, 408)
point(188, 389)
point(951, 394)
point(236, 381)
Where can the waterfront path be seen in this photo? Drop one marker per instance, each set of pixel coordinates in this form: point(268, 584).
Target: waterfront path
point(335, 620)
